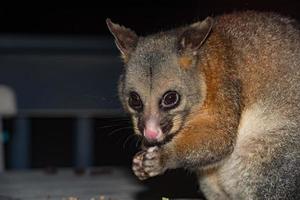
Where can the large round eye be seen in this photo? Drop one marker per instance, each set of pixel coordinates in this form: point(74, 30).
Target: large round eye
point(135, 101)
point(170, 100)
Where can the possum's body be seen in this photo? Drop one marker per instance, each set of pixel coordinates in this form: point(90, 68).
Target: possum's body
point(238, 122)
point(265, 163)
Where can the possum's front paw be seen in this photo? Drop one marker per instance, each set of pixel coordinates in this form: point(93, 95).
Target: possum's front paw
point(148, 163)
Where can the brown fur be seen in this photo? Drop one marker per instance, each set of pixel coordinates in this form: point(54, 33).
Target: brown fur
point(185, 62)
point(217, 118)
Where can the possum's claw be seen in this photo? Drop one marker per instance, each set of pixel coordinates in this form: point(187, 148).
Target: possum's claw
point(148, 163)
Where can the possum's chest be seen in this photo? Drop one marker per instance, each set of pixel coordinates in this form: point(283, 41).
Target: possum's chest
point(254, 146)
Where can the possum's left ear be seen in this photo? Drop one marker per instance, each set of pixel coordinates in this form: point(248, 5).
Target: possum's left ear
point(195, 35)
point(126, 39)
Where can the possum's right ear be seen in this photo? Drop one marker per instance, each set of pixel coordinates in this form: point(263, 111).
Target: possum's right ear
point(126, 39)
point(192, 37)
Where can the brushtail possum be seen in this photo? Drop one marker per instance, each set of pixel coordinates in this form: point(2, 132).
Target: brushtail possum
point(220, 97)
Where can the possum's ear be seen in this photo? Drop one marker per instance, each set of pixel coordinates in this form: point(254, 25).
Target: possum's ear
point(126, 39)
point(195, 35)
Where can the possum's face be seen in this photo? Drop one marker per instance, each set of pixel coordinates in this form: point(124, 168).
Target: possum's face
point(157, 91)
point(161, 84)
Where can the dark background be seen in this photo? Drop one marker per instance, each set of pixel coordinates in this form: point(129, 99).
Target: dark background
point(143, 16)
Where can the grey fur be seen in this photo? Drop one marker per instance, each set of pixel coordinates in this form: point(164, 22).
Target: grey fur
point(153, 70)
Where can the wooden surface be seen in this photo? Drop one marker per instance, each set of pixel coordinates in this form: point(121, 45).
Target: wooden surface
point(91, 184)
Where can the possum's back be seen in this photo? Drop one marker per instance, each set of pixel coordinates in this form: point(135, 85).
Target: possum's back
point(266, 51)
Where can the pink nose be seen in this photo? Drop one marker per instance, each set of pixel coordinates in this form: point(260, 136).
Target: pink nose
point(150, 134)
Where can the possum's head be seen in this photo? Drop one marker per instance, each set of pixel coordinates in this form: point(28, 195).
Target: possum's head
point(161, 84)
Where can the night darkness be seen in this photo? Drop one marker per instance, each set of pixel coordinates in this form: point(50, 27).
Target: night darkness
point(144, 17)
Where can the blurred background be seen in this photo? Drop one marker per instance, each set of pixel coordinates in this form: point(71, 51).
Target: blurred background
point(59, 69)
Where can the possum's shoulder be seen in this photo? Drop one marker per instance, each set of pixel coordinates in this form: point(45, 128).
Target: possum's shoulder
point(255, 22)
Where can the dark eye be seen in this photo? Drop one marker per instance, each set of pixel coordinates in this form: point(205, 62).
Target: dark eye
point(135, 101)
point(170, 100)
